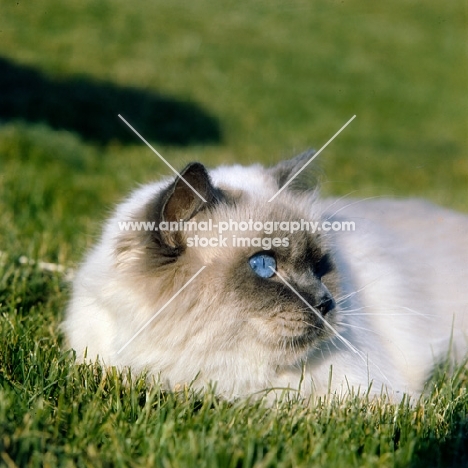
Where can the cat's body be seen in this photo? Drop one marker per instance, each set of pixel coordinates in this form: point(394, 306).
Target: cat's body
point(381, 305)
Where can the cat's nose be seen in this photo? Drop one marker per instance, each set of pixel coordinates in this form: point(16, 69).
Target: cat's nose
point(326, 305)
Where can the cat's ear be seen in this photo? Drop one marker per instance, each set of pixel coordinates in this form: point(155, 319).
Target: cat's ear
point(191, 192)
point(284, 170)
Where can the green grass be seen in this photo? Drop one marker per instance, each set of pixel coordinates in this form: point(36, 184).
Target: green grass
point(276, 78)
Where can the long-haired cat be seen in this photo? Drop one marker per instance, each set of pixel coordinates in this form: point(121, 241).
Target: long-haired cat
point(332, 310)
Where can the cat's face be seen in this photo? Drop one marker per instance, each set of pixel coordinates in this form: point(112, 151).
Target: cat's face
point(269, 291)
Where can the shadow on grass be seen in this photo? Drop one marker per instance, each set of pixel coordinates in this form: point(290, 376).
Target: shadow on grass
point(90, 108)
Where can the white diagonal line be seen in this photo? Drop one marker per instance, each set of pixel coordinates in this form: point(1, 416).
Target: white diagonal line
point(161, 309)
point(365, 359)
point(162, 159)
point(344, 340)
point(312, 158)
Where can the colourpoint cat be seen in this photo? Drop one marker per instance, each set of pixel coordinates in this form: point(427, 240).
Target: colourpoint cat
point(273, 306)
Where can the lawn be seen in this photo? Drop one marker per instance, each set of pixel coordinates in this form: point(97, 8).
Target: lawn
point(217, 82)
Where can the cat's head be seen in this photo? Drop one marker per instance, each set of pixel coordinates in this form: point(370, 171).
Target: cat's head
point(264, 289)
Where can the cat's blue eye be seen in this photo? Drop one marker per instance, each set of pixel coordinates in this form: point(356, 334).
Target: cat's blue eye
point(263, 265)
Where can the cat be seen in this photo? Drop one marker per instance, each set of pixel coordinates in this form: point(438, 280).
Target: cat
point(373, 310)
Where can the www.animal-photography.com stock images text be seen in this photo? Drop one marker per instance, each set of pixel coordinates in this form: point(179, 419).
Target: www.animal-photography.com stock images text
point(233, 234)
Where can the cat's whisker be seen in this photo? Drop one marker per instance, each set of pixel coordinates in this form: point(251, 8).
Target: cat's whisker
point(310, 325)
point(341, 299)
point(357, 309)
point(353, 312)
point(365, 358)
point(421, 314)
point(337, 201)
point(344, 324)
point(370, 314)
point(353, 203)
